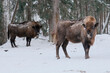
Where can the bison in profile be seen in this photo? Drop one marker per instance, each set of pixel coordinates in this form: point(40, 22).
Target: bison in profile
point(82, 31)
point(28, 29)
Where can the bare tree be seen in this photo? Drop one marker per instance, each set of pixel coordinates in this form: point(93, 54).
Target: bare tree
point(105, 23)
point(55, 20)
point(4, 22)
point(29, 10)
point(15, 11)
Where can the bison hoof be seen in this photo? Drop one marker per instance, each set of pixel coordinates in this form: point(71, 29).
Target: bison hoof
point(68, 57)
point(16, 46)
point(27, 45)
point(87, 57)
point(57, 57)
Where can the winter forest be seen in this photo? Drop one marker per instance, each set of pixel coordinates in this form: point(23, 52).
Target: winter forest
point(44, 11)
point(40, 56)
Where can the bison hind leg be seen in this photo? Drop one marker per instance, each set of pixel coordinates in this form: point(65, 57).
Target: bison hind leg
point(59, 41)
point(64, 45)
point(58, 44)
point(11, 43)
point(12, 40)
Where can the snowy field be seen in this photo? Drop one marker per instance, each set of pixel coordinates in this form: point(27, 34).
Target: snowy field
point(40, 57)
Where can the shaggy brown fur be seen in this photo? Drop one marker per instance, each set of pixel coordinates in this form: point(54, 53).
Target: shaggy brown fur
point(82, 31)
point(63, 23)
point(28, 29)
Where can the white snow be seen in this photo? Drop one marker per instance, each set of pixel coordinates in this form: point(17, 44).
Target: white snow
point(40, 57)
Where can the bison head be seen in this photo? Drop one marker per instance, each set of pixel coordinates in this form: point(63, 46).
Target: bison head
point(37, 28)
point(90, 29)
point(90, 25)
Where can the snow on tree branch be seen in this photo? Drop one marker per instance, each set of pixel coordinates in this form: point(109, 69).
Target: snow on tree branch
point(105, 24)
point(102, 2)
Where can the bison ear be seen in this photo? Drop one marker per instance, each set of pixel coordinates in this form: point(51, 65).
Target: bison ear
point(96, 25)
point(84, 25)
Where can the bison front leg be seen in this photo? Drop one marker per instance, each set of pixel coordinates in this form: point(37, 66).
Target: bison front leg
point(28, 40)
point(86, 49)
point(87, 53)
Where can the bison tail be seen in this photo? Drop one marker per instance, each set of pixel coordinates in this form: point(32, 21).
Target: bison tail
point(8, 34)
point(54, 37)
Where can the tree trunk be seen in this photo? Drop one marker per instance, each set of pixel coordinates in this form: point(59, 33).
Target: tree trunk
point(15, 11)
point(29, 10)
point(50, 29)
point(101, 18)
point(5, 20)
point(55, 20)
point(3, 24)
point(105, 23)
point(86, 8)
point(80, 6)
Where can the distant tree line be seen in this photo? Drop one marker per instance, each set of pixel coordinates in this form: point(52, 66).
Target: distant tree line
point(67, 10)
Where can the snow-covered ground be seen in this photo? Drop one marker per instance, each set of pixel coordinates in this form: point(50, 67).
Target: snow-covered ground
point(40, 57)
